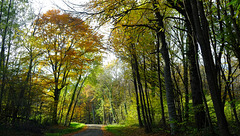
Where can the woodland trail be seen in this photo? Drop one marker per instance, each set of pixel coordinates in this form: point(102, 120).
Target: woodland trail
point(91, 130)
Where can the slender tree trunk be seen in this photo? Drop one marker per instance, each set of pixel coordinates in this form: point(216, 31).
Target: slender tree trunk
point(185, 80)
point(104, 115)
point(77, 98)
point(40, 109)
point(177, 98)
point(93, 112)
point(160, 82)
point(72, 99)
point(136, 92)
point(146, 93)
point(111, 105)
point(125, 102)
point(168, 86)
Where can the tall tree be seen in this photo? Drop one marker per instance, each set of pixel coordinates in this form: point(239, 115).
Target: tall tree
point(66, 41)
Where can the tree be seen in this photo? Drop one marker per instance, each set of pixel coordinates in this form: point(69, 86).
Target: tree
point(67, 41)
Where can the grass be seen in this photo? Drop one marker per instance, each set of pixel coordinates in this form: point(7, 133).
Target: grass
point(123, 130)
point(115, 129)
point(59, 130)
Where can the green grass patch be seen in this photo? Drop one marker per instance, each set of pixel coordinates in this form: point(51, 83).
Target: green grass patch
point(59, 130)
point(115, 129)
point(131, 130)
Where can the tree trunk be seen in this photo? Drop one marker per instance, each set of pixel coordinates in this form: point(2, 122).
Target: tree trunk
point(197, 98)
point(136, 92)
point(72, 99)
point(168, 86)
point(77, 98)
point(177, 97)
point(55, 105)
point(147, 107)
point(185, 80)
point(160, 82)
point(93, 112)
point(167, 72)
point(104, 115)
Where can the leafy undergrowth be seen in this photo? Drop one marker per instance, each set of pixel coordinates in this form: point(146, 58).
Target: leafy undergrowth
point(122, 130)
point(61, 130)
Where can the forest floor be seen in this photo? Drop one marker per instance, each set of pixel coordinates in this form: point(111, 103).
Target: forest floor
point(114, 130)
point(58, 130)
point(130, 131)
point(79, 129)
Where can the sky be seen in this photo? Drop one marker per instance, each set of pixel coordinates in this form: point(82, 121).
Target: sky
point(41, 6)
point(45, 5)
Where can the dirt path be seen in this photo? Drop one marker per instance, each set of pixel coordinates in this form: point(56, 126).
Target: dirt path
point(92, 130)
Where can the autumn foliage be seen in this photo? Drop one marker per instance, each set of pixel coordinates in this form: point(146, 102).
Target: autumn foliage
point(68, 44)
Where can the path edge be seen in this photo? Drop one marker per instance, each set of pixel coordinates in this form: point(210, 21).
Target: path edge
point(83, 129)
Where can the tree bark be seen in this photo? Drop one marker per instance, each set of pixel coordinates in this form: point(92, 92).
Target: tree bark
point(195, 80)
point(185, 80)
point(160, 82)
point(55, 105)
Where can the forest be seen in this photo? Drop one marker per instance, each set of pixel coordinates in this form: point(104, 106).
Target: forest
point(176, 66)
